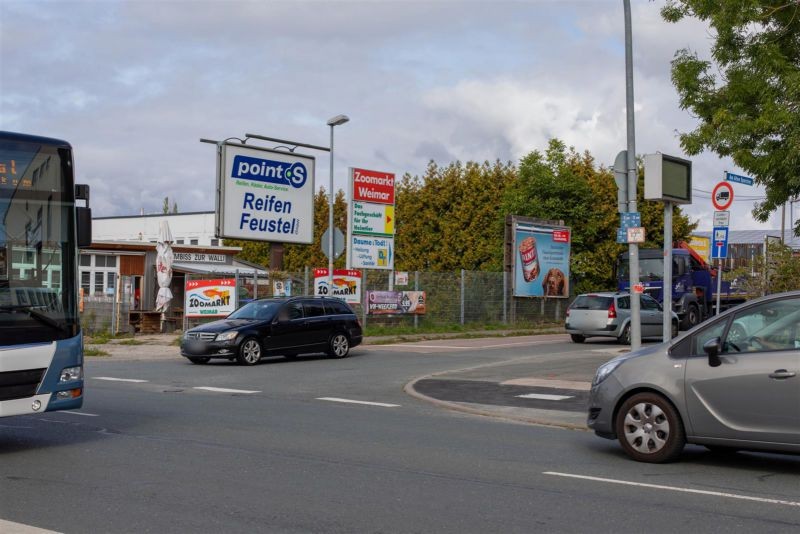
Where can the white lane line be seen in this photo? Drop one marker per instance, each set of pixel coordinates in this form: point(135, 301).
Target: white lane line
point(226, 390)
point(112, 379)
point(544, 396)
point(675, 488)
point(350, 401)
point(81, 413)
point(19, 528)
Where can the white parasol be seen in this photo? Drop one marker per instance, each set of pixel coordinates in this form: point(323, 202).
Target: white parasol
point(164, 260)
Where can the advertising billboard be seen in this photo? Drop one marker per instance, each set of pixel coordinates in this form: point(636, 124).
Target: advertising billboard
point(372, 186)
point(396, 302)
point(346, 284)
point(210, 298)
point(368, 252)
point(701, 245)
point(265, 195)
point(541, 260)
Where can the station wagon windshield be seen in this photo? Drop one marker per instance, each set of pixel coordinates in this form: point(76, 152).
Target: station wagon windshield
point(256, 310)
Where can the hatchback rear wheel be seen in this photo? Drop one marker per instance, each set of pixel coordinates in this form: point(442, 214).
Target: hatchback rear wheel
point(249, 352)
point(338, 346)
point(577, 338)
point(650, 429)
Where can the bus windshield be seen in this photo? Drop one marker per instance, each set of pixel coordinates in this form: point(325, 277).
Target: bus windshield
point(37, 243)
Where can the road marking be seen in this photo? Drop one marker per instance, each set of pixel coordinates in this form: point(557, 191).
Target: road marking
point(678, 489)
point(81, 413)
point(19, 528)
point(349, 401)
point(134, 380)
point(544, 396)
point(226, 390)
point(548, 383)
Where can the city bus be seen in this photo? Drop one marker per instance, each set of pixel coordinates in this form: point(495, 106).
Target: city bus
point(41, 230)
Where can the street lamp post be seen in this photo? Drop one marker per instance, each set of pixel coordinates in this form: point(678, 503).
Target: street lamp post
point(338, 120)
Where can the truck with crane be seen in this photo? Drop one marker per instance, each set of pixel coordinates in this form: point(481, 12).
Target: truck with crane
point(693, 284)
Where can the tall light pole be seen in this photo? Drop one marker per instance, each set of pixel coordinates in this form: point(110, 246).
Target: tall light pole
point(633, 178)
point(338, 120)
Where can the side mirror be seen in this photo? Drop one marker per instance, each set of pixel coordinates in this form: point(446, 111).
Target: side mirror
point(713, 347)
point(83, 219)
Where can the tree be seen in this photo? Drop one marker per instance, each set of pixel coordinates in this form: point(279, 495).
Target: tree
point(165, 208)
point(175, 207)
point(751, 110)
point(448, 219)
point(564, 185)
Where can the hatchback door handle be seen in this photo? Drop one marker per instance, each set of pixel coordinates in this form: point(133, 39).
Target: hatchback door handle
point(782, 373)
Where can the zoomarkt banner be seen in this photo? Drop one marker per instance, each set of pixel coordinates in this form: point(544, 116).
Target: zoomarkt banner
point(210, 298)
point(265, 195)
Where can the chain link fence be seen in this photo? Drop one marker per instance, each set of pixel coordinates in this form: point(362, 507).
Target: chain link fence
point(467, 298)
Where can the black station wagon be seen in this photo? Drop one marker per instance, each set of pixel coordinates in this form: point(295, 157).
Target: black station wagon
point(271, 327)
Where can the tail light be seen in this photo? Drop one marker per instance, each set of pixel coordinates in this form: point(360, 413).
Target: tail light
point(612, 311)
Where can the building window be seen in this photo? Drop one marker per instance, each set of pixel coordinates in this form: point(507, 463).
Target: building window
point(98, 274)
point(215, 242)
point(194, 242)
point(179, 242)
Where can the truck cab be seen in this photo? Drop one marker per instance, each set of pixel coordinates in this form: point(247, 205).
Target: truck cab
point(692, 282)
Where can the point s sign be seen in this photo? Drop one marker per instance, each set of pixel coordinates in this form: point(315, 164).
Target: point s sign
point(372, 186)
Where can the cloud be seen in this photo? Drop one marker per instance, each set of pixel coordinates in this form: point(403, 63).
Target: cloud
point(134, 87)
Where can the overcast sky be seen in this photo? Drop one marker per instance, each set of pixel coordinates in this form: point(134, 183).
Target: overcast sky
point(134, 85)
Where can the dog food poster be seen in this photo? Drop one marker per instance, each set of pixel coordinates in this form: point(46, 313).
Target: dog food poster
point(541, 262)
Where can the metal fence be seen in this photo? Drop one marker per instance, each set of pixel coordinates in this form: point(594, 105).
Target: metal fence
point(469, 298)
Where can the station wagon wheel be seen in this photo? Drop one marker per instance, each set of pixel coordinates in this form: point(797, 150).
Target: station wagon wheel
point(577, 338)
point(650, 429)
point(249, 352)
point(625, 337)
point(339, 346)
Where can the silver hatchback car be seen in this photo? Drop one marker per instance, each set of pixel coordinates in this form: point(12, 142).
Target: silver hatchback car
point(609, 315)
point(729, 383)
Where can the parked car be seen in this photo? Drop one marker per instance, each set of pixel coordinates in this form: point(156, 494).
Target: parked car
point(268, 327)
point(609, 315)
point(731, 382)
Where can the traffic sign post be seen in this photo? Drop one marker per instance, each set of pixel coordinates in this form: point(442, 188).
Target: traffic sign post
point(722, 218)
point(719, 250)
point(722, 196)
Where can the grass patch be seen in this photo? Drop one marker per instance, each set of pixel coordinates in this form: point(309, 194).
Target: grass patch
point(99, 338)
point(176, 342)
point(91, 351)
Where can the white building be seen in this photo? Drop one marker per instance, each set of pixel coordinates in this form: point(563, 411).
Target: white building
point(195, 228)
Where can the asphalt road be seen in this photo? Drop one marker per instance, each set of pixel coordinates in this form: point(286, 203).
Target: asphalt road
point(150, 452)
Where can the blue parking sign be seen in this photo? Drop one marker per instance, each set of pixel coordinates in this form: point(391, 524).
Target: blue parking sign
point(719, 243)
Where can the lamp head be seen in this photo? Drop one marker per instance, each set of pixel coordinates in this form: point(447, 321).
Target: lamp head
point(338, 120)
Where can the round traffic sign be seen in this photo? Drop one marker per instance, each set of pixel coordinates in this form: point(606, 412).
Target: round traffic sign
point(722, 196)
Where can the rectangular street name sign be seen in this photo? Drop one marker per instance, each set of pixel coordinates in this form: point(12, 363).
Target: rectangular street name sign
point(622, 235)
point(737, 178)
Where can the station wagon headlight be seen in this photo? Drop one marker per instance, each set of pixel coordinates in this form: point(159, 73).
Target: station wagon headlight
point(604, 370)
point(227, 336)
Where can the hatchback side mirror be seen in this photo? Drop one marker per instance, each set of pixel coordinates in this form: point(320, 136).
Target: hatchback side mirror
point(713, 347)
